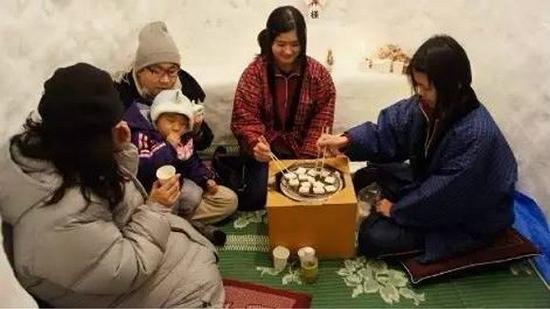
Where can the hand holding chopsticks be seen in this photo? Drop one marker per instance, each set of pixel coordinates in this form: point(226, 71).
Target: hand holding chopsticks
point(333, 143)
point(262, 141)
point(321, 153)
point(261, 150)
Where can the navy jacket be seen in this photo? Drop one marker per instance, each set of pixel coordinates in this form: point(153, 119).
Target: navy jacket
point(189, 87)
point(461, 195)
point(154, 152)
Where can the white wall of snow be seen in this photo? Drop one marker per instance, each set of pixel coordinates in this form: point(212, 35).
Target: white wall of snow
point(507, 42)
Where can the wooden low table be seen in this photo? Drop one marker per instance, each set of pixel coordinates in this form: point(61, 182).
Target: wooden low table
point(327, 226)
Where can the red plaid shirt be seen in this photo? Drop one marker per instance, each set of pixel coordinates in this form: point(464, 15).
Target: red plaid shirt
point(254, 113)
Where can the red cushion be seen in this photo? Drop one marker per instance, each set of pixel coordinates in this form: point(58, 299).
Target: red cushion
point(240, 294)
point(508, 246)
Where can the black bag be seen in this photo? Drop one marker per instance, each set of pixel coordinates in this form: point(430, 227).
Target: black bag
point(230, 169)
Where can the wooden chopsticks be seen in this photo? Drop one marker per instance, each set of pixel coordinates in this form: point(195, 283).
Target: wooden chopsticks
point(319, 160)
point(321, 154)
point(273, 157)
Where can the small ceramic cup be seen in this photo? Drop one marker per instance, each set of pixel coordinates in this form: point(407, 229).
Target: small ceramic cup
point(280, 257)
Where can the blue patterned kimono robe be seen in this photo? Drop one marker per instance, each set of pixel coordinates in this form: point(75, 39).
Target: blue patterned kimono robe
point(461, 194)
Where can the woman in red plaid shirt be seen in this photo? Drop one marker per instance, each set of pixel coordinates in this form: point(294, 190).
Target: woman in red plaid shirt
point(283, 101)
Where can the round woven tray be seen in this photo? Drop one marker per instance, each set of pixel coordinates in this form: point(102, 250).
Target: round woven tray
point(293, 193)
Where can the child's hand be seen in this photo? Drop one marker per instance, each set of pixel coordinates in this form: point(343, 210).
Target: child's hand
point(198, 117)
point(211, 186)
point(197, 123)
point(173, 139)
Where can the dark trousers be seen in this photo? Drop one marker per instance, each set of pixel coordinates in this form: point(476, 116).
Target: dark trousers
point(244, 175)
point(379, 235)
point(254, 194)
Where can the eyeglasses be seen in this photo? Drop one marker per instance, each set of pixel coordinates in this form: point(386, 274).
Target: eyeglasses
point(158, 72)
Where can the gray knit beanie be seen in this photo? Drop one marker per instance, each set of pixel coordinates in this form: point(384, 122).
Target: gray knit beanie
point(155, 46)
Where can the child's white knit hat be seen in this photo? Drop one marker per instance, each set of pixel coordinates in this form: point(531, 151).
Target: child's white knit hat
point(172, 101)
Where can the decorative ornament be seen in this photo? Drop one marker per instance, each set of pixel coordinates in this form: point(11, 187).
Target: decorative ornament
point(330, 60)
point(315, 7)
point(389, 58)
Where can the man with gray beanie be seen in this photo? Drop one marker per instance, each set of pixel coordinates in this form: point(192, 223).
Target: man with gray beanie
point(156, 68)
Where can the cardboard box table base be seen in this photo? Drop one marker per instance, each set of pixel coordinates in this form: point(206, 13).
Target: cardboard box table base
point(329, 227)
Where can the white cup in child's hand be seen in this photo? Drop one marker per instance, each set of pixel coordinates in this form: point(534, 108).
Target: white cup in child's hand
point(165, 172)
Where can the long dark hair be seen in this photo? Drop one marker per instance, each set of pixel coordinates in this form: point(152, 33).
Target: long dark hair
point(447, 66)
point(284, 19)
point(83, 159)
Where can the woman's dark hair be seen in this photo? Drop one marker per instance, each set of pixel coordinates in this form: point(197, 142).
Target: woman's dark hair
point(85, 160)
point(284, 19)
point(79, 108)
point(447, 66)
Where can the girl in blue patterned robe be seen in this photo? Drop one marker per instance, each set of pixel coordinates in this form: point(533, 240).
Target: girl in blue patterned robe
point(456, 171)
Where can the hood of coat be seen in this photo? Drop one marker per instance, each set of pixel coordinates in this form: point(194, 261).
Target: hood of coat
point(25, 182)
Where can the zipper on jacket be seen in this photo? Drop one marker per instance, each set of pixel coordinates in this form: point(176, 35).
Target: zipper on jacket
point(429, 137)
point(286, 78)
